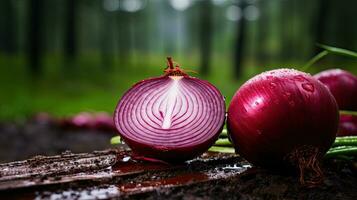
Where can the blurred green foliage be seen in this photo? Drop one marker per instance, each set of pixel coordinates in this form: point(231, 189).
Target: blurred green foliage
point(89, 88)
point(90, 52)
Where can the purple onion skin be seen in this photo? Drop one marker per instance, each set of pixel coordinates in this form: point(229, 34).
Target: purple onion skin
point(343, 86)
point(348, 125)
point(279, 111)
point(200, 117)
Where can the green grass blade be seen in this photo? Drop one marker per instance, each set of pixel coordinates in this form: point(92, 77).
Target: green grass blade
point(222, 149)
point(345, 141)
point(224, 133)
point(223, 142)
point(314, 59)
point(338, 51)
point(342, 150)
point(347, 112)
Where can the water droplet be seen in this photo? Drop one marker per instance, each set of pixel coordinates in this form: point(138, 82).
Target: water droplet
point(272, 85)
point(299, 78)
point(247, 166)
point(121, 141)
point(292, 103)
point(126, 159)
point(232, 167)
point(308, 87)
point(256, 103)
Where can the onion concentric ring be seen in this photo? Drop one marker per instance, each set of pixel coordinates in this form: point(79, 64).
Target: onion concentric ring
point(174, 117)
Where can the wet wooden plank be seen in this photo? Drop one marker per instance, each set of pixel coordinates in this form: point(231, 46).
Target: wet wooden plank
point(113, 167)
point(115, 174)
point(42, 170)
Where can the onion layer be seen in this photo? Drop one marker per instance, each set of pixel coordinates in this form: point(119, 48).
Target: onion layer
point(282, 116)
point(173, 118)
point(343, 86)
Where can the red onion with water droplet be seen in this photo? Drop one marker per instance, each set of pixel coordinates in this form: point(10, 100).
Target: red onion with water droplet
point(348, 125)
point(281, 117)
point(343, 86)
point(174, 117)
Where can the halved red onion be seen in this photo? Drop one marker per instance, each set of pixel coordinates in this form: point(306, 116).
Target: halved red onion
point(174, 117)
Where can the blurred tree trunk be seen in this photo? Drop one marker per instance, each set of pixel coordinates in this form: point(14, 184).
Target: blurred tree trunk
point(71, 32)
point(345, 23)
point(34, 36)
point(206, 36)
point(7, 27)
point(240, 43)
point(107, 40)
point(263, 32)
point(286, 30)
point(123, 37)
point(321, 20)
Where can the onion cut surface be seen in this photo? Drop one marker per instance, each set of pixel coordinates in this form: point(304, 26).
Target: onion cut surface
point(173, 118)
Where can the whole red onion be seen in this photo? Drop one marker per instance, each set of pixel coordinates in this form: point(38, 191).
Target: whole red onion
point(174, 117)
point(282, 118)
point(348, 125)
point(343, 86)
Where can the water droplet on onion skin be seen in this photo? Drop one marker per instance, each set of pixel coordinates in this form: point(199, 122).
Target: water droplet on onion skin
point(287, 95)
point(259, 132)
point(292, 103)
point(272, 85)
point(299, 78)
point(308, 87)
point(276, 101)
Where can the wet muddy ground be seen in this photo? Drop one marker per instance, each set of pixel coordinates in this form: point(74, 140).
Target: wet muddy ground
point(114, 173)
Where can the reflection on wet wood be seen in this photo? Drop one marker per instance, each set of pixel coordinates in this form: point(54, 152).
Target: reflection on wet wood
point(109, 173)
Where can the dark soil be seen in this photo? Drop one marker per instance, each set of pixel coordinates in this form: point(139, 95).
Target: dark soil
point(114, 173)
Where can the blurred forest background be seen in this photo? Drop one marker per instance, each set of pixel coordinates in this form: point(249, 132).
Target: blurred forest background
point(68, 56)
